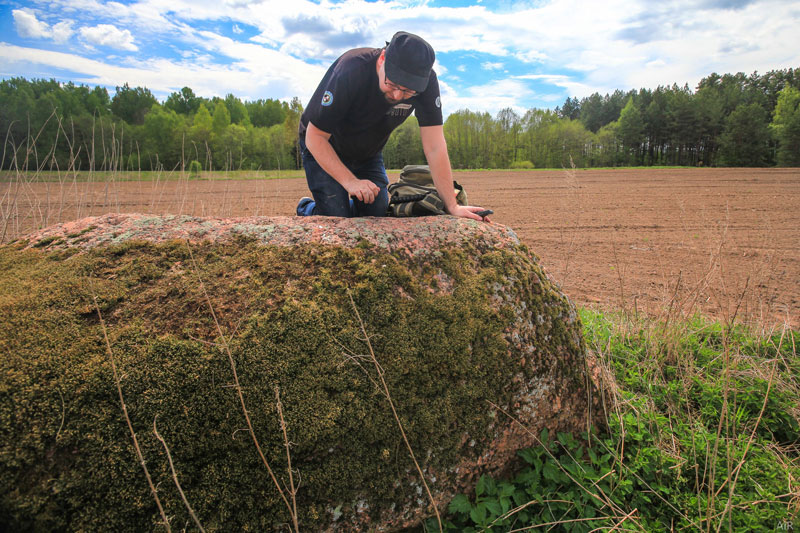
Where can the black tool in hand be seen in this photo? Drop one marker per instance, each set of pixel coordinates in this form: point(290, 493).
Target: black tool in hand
point(484, 213)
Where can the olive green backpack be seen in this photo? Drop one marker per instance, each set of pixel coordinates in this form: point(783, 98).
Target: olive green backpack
point(414, 194)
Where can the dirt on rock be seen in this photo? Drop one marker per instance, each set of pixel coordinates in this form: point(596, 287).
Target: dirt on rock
point(722, 242)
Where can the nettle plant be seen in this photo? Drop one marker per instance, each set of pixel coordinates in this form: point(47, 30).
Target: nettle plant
point(702, 435)
point(565, 483)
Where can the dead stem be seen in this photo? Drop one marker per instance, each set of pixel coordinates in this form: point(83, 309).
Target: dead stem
point(746, 449)
point(175, 477)
point(238, 386)
point(125, 411)
point(571, 521)
point(604, 499)
point(292, 489)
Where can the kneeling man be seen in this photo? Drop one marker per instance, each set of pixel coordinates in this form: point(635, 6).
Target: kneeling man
point(364, 96)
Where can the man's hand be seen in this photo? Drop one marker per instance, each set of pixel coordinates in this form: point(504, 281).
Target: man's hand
point(468, 211)
point(363, 190)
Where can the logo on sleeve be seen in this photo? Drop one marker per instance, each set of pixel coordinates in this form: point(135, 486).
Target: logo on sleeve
point(438, 101)
point(327, 98)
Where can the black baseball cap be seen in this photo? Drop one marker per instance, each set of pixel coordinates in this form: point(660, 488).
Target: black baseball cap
point(409, 59)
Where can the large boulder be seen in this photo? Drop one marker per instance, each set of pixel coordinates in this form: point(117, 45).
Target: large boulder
point(479, 351)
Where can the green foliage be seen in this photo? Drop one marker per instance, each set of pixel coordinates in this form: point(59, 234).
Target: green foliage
point(404, 146)
point(163, 131)
point(221, 118)
point(631, 130)
point(703, 436)
point(200, 131)
point(745, 138)
point(238, 111)
point(184, 102)
point(69, 125)
point(266, 113)
point(195, 168)
point(522, 165)
point(786, 124)
point(717, 124)
point(132, 104)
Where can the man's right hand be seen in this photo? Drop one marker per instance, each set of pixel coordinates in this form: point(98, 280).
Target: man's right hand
point(363, 190)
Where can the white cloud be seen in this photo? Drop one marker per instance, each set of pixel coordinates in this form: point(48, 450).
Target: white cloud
point(577, 46)
point(110, 36)
point(62, 31)
point(531, 56)
point(491, 97)
point(488, 65)
point(261, 75)
point(142, 16)
point(31, 27)
point(572, 86)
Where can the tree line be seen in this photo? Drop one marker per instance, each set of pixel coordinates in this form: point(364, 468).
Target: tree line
point(728, 120)
point(51, 126)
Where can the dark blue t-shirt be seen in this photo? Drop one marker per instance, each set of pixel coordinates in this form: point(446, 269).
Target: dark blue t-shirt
point(350, 106)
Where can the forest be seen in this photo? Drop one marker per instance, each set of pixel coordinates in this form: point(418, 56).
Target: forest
point(727, 120)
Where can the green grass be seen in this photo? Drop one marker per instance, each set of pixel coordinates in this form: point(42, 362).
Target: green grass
point(103, 176)
point(702, 435)
point(561, 169)
point(108, 176)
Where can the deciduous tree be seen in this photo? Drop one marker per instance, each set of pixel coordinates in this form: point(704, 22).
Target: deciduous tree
point(786, 124)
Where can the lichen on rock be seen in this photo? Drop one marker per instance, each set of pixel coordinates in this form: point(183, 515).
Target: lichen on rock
point(460, 315)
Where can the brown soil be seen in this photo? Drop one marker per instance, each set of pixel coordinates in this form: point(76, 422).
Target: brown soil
point(724, 242)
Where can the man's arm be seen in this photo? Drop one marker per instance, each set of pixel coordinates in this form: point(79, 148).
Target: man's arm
point(435, 148)
point(318, 143)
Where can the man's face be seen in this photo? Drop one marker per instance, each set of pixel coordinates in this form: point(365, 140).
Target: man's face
point(393, 93)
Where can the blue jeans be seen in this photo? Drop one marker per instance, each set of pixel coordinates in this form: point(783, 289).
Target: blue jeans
point(331, 199)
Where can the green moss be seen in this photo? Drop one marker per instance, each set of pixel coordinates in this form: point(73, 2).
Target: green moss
point(46, 242)
point(66, 458)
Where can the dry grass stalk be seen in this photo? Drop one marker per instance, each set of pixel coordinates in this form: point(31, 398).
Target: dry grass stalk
point(292, 488)
point(600, 497)
point(386, 393)
point(125, 412)
point(238, 388)
point(175, 477)
point(738, 468)
point(573, 197)
point(570, 521)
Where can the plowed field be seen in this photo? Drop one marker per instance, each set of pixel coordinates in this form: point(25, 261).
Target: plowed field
point(724, 242)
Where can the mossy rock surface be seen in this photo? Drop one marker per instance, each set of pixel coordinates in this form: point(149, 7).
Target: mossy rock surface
point(463, 321)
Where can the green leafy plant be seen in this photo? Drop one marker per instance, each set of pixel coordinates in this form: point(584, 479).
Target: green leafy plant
point(195, 168)
point(702, 436)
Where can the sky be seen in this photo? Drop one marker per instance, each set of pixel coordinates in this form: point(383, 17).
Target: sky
point(490, 54)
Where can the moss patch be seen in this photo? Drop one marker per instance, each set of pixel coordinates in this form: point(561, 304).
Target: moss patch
point(440, 335)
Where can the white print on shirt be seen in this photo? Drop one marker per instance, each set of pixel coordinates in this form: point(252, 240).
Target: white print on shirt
point(400, 110)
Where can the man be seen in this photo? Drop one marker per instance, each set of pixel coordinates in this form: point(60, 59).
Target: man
point(364, 96)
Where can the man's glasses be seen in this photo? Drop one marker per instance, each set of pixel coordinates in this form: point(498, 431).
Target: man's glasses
point(408, 93)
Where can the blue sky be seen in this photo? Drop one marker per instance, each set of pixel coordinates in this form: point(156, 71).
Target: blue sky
point(491, 54)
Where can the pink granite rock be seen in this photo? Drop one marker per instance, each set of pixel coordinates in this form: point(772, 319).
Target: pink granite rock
point(479, 348)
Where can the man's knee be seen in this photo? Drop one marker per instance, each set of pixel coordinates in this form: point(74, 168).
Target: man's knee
point(377, 208)
point(333, 205)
